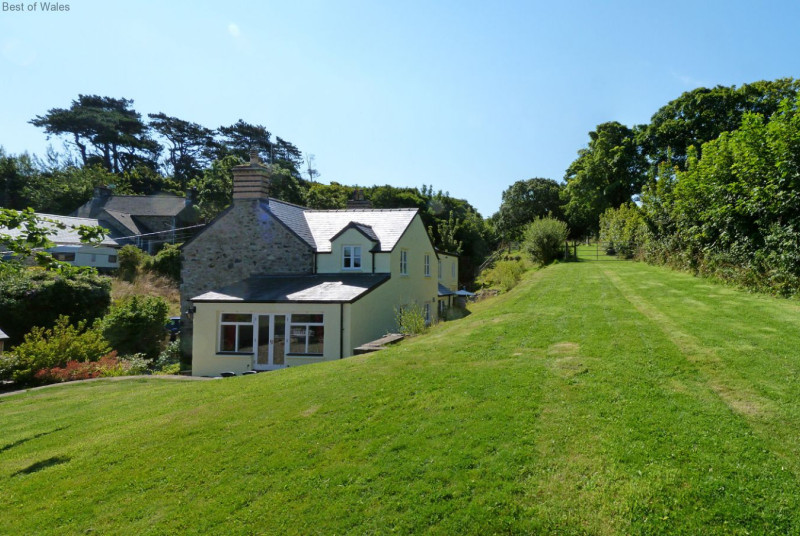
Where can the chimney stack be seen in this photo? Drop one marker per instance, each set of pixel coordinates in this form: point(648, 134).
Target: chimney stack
point(251, 180)
point(357, 200)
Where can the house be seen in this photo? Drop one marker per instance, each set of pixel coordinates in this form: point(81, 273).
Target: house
point(3, 339)
point(68, 246)
point(146, 221)
point(269, 284)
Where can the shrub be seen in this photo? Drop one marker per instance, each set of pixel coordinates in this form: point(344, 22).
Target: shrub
point(505, 274)
point(136, 364)
point(35, 297)
point(168, 359)
point(544, 239)
point(47, 348)
point(166, 262)
point(137, 325)
point(107, 366)
point(131, 259)
point(410, 319)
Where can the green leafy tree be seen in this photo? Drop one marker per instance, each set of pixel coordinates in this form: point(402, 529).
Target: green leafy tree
point(608, 173)
point(701, 115)
point(525, 201)
point(327, 196)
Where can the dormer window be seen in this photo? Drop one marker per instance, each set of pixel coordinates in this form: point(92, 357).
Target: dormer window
point(351, 257)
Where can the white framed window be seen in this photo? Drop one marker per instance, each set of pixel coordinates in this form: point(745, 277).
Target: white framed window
point(453, 270)
point(306, 334)
point(351, 257)
point(427, 314)
point(440, 269)
point(236, 333)
point(403, 262)
point(427, 264)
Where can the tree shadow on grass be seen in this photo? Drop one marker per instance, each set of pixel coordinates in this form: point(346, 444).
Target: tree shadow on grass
point(44, 464)
point(26, 439)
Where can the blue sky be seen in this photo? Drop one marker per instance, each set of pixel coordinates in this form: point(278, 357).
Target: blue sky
point(466, 96)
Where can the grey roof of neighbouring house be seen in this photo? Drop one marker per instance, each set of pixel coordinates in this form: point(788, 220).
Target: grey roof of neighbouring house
point(333, 288)
point(318, 227)
point(68, 236)
point(3, 335)
point(135, 205)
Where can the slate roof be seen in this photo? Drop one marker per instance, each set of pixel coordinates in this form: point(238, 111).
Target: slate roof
point(444, 291)
point(143, 205)
point(123, 219)
point(68, 236)
point(332, 288)
point(3, 335)
point(318, 227)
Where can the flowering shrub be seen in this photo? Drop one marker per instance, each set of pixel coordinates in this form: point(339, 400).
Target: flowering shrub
point(106, 366)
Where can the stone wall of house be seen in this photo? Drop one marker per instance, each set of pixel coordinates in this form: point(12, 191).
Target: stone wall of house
point(245, 241)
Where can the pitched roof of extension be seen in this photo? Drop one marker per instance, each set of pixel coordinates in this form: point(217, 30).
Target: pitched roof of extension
point(319, 227)
point(331, 288)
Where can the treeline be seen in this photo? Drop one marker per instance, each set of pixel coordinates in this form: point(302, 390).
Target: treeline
point(711, 185)
point(107, 142)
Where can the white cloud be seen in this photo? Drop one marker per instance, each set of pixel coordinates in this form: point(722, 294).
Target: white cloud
point(15, 51)
point(234, 30)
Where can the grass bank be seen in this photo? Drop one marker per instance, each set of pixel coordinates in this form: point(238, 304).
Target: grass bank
point(595, 397)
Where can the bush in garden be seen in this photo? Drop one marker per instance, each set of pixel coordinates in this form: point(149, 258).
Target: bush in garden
point(45, 348)
point(107, 366)
point(544, 239)
point(137, 325)
point(410, 319)
point(166, 262)
point(131, 259)
point(505, 274)
point(35, 297)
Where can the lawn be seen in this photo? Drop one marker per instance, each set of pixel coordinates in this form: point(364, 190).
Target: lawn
point(594, 398)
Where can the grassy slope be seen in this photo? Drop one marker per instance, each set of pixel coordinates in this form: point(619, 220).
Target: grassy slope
point(601, 398)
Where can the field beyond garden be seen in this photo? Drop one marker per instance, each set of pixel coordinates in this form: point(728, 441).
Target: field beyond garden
point(597, 397)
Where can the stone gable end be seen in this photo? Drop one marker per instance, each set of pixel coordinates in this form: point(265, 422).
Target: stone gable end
point(245, 241)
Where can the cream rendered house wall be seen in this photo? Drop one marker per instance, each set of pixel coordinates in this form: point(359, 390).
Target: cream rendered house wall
point(206, 361)
point(449, 262)
point(373, 316)
point(332, 262)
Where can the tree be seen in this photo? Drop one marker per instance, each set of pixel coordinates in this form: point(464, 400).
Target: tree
point(327, 196)
point(105, 130)
point(16, 171)
point(701, 115)
point(191, 147)
point(241, 137)
point(606, 174)
point(525, 201)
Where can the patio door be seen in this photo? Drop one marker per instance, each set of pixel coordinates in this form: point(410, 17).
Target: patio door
point(271, 342)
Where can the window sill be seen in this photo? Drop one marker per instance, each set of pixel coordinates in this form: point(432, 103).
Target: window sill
point(305, 355)
point(236, 353)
